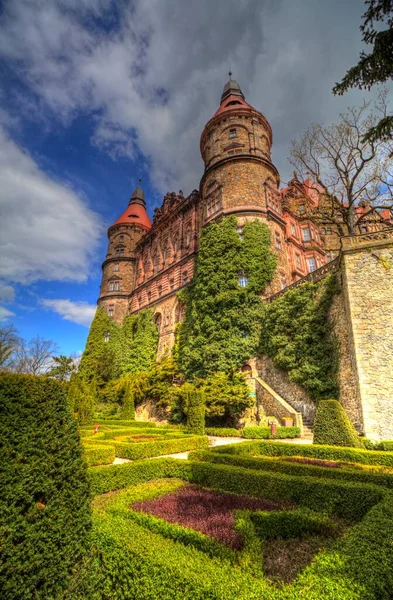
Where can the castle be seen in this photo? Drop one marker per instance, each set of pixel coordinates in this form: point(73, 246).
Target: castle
point(147, 263)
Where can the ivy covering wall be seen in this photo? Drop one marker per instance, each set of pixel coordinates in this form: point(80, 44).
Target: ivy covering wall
point(222, 322)
point(296, 334)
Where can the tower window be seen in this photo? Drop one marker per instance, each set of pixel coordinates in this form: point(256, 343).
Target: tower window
point(116, 267)
point(306, 234)
point(114, 286)
point(311, 264)
point(240, 233)
point(111, 310)
point(106, 336)
point(119, 251)
point(243, 279)
point(121, 238)
point(232, 133)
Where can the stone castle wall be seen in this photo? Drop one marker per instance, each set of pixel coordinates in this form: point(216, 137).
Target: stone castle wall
point(368, 292)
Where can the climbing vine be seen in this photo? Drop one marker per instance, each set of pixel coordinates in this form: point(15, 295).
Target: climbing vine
point(140, 342)
point(223, 305)
point(296, 334)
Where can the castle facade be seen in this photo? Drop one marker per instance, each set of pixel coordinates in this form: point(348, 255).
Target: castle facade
point(147, 263)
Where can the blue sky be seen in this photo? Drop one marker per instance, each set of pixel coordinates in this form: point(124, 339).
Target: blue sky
point(97, 93)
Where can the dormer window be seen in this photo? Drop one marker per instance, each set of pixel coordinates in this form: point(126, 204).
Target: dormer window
point(232, 133)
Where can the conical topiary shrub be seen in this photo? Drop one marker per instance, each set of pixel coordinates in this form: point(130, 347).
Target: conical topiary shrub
point(196, 413)
point(333, 427)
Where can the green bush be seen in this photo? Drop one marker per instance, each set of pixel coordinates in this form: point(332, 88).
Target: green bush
point(128, 408)
point(344, 499)
point(138, 450)
point(99, 455)
point(298, 523)
point(264, 433)
point(387, 446)
point(296, 468)
point(196, 413)
point(270, 448)
point(223, 431)
point(118, 422)
point(44, 505)
point(333, 427)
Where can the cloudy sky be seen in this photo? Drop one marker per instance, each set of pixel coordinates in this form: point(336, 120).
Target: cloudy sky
point(96, 93)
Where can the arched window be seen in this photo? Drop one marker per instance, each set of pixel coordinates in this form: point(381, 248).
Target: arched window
point(157, 319)
point(243, 279)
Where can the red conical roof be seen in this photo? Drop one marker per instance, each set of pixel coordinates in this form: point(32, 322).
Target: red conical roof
point(135, 211)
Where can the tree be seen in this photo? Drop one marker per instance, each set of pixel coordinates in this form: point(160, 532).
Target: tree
point(63, 367)
point(352, 177)
point(9, 343)
point(375, 67)
point(35, 356)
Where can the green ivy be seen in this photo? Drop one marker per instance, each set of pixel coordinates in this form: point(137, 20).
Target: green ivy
point(221, 328)
point(140, 341)
point(296, 334)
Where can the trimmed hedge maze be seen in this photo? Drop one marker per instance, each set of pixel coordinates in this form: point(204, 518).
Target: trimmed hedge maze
point(134, 441)
point(350, 506)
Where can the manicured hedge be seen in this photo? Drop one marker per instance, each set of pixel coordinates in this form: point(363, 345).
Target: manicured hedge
point(270, 448)
point(138, 450)
point(297, 469)
point(298, 523)
point(333, 427)
point(99, 455)
point(44, 501)
point(387, 446)
point(126, 423)
point(344, 499)
point(223, 431)
point(196, 413)
point(264, 433)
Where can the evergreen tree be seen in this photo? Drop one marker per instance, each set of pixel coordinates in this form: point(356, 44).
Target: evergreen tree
point(223, 302)
point(376, 66)
point(63, 367)
point(82, 398)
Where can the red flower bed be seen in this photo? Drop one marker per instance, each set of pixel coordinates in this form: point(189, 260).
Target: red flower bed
point(206, 511)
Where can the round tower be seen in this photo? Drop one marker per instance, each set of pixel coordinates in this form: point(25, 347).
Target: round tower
point(118, 269)
point(239, 176)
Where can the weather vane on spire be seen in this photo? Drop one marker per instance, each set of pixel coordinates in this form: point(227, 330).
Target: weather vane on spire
point(230, 73)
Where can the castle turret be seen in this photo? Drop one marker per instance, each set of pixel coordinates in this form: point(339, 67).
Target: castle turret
point(118, 269)
point(239, 176)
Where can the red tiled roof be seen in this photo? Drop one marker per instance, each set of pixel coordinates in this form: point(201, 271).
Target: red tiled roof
point(134, 213)
point(226, 104)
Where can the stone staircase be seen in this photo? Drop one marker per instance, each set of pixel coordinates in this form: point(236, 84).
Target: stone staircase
point(308, 428)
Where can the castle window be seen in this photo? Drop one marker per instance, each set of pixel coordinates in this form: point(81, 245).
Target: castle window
point(111, 309)
point(185, 277)
point(278, 241)
point(283, 281)
point(116, 266)
point(114, 286)
point(311, 264)
point(172, 284)
point(232, 133)
point(328, 230)
point(363, 229)
point(119, 251)
point(329, 256)
point(149, 296)
point(188, 238)
point(213, 205)
point(159, 290)
point(297, 260)
point(121, 239)
point(106, 336)
point(240, 233)
point(306, 234)
point(243, 279)
point(293, 229)
point(302, 209)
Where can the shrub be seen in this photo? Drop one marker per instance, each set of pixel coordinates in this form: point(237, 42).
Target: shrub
point(298, 523)
point(223, 431)
point(136, 451)
point(99, 455)
point(196, 413)
point(269, 448)
point(265, 433)
point(44, 506)
point(128, 409)
point(387, 446)
point(333, 427)
point(297, 468)
point(81, 398)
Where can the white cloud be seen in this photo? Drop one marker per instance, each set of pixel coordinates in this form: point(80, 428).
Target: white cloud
point(7, 292)
point(47, 231)
point(5, 313)
point(154, 79)
point(77, 312)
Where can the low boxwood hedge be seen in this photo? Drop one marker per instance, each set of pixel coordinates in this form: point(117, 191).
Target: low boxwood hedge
point(333, 427)
point(139, 450)
point(276, 465)
point(264, 433)
point(271, 448)
point(298, 523)
point(223, 431)
point(98, 455)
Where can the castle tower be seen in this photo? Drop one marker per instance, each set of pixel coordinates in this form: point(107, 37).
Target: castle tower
point(118, 269)
point(239, 176)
